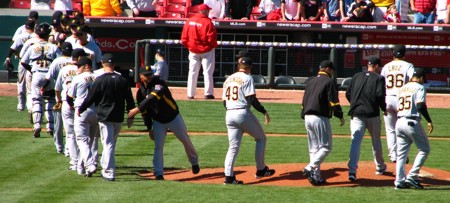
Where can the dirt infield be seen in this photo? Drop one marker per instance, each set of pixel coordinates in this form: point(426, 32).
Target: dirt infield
point(290, 174)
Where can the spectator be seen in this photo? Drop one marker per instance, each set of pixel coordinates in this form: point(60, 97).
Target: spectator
point(290, 10)
point(143, 8)
point(160, 69)
point(344, 7)
point(109, 93)
point(238, 9)
point(40, 5)
point(199, 36)
point(380, 9)
point(441, 11)
point(403, 9)
point(310, 10)
point(392, 15)
point(269, 9)
point(101, 8)
point(360, 11)
point(63, 5)
point(217, 8)
point(447, 17)
point(196, 2)
point(423, 11)
point(331, 10)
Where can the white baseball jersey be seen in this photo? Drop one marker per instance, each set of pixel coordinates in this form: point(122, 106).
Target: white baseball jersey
point(56, 66)
point(64, 79)
point(396, 73)
point(236, 88)
point(20, 41)
point(95, 54)
point(71, 39)
point(40, 55)
point(79, 87)
point(161, 69)
point(19, 31)
point(100, 72)
point(27, 44)
point(408, 97)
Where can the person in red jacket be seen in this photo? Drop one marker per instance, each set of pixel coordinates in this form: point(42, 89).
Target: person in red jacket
point(199, 36)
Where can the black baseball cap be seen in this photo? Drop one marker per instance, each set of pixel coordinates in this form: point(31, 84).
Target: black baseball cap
point(145, 70)
point(65, 19)
point(66, 48)
point(399, 50)
point(107, 58)
point(242, 53)
point(326, 63)
point(56, 17)
point(76, 53)
point(375, 61)
point(247, 61)
point(161, 52)
point(84, 60)
point(420, 72)
point(33, 15)
point(80, 30)
point(29, 25)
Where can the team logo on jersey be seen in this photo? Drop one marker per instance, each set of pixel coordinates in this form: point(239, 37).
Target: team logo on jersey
point(158, 87)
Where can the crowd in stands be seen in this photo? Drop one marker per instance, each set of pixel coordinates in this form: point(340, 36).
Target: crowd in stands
point(395, 11)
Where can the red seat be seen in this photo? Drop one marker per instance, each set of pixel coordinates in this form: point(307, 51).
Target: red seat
point(77, 6)
point(180, 2)
point(175, 8)
point(171, 15)
point(161, 2)
point(159, 9)
point(24, 4)
point(256, 13)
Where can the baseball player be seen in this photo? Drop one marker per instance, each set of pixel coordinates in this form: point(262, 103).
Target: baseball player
point(161, 112)
point(89, 47)
point(320, 102)
point(63, 82)
point(411, 105)
point(109, 92)
point(366, 94)
point(34, 16)
point(33, 40)
point(160, 69)
point(15, 48)
point(51, 77)
point(37, 59)
point(396, 73)
point(86, 124)
point(238, 94)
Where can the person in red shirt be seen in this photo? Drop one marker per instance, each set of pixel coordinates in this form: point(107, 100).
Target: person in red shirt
point(424, 11)
point(447, 18)
point(199, 36)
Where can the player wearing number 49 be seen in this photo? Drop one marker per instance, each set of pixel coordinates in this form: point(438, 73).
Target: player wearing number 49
point(238, 94)
point(411, 105)
point(396, 73)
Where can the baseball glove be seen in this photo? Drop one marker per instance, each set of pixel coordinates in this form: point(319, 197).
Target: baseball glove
point(7, 65)
point(359, 12)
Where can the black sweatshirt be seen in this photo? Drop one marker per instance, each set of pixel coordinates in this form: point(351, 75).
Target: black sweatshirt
point(109, 93)
point(321, 97)
point(237, 9)
point(366, 94)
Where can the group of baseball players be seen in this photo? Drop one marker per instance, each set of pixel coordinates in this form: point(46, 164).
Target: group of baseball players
point(64, 76)
point(397, 90)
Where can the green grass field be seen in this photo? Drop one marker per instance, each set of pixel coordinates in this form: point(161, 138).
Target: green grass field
point(31, 171)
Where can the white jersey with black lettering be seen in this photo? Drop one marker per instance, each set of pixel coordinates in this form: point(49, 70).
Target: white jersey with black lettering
point(396, 73)
point(79, 87)
point(236, 88)
point(40, 55)
point(95, 54)
point(34, 39)
point(408, 97)
point(20, 41)
point(64, 79)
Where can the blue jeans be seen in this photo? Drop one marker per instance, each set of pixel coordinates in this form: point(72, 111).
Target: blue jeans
point(427, 18)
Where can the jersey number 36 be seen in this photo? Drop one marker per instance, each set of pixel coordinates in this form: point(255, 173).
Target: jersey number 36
point(394, 80)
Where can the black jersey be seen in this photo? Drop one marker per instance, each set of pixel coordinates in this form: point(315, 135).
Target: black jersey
point(156, 100)
point(366, 94)
point(321, 97)
point(109, 93)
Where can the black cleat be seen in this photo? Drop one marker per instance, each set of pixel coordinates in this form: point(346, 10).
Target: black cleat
point(352, 177)
point(195, 169)
point(37, 133)
point(266, 172)
point(232, 180)
point(401, 187)
point(159, 177)
point(413, 183)
point(209, 97)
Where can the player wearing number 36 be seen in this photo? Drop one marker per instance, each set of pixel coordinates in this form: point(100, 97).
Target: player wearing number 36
point(238, 94)
point(396, 73)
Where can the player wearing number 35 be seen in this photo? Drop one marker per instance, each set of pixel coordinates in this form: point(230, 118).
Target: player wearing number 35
point(396, 73)
point(238, 94)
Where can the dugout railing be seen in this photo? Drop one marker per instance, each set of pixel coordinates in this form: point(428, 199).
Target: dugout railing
point(296, 60)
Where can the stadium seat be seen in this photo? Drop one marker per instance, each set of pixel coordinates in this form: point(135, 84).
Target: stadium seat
point(191, 10)
point(284, 80)
point(159, 9)
point(346, 81)
point(256, 13)
point(259, 79)
point(24, 4)
point(171, 15)
point(179, 2)
point(175, 8)
point(77, 6)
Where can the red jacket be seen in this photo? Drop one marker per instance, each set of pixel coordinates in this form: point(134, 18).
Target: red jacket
point(199, 34)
